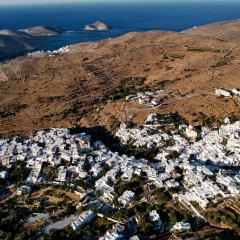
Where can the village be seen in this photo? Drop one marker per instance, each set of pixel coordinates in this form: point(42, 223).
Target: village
point(42, 53)
point(197, 167)
point(158, 98)
point(151, 99)
point(235, 93)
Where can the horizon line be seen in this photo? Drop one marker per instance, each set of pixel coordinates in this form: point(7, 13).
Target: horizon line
point(65, 2)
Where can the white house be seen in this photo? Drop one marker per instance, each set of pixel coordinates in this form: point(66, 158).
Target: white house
point(236, 91)
point(62, 174)
point(84, 218)
point(3, 174)
point(191, 133)
point(155, 219)
point(222, 92)
point(23, 190)
point(126, 197)
point(181, 227)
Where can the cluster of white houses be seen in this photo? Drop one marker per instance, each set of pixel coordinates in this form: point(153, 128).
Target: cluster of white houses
point(209, 166)
point(152, 99)
point(149, 135)
point(126, 197)
point(84, 218)
point(115, 233)
point(201, 164)
point(221, 147)
point(228, 93)
point(49, 53)
point(52, 147)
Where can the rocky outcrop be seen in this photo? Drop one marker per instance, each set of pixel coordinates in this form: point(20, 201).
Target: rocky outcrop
point(97, 26)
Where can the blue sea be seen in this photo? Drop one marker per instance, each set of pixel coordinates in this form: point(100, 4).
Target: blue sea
point(123, 17)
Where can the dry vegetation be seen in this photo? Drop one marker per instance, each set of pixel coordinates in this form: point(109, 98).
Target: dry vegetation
point(87, 86)
point(228, 30)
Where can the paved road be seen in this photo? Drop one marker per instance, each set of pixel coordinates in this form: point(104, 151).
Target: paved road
point(37, 217)
point(61, 224)
point(110, 219)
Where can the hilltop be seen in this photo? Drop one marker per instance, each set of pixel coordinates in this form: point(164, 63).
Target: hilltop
point(97, 26)
point(8, 32)
point(14, 43)
point(227, 31)
point(87, 85)
point(43, 30)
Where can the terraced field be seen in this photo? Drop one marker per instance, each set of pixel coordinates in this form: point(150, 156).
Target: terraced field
point(78, 88)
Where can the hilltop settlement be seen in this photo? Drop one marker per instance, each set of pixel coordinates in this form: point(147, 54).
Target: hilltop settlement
point(174, 180)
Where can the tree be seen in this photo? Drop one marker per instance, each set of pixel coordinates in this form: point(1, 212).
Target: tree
point(173, 217)
point(69, 208)
point(86, 165)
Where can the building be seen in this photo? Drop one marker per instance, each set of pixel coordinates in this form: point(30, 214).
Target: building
point(222, 92)
point(181, 227)
point(236, 91)
point(134, 238)
point(191, 133)
point(84, 218)
point(116, 233)
point(3, 174)
point(62, 174)
point(84, 145)
point(171, 184)
point(126, 198)
point(155, 219)
point(23, 190)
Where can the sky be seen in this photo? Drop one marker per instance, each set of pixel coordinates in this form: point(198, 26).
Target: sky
point(22, 2)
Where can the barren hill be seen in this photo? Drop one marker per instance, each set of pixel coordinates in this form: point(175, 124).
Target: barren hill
point(8, 32)
point(87, 85)
point(14, 43)
point(42, 30)
point(228, 30)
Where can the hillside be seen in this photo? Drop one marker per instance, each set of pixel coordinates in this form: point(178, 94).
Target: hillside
point(8, 32)
point(81, 87)
point(228, 30)
point(14, 43)
point(42, 30)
